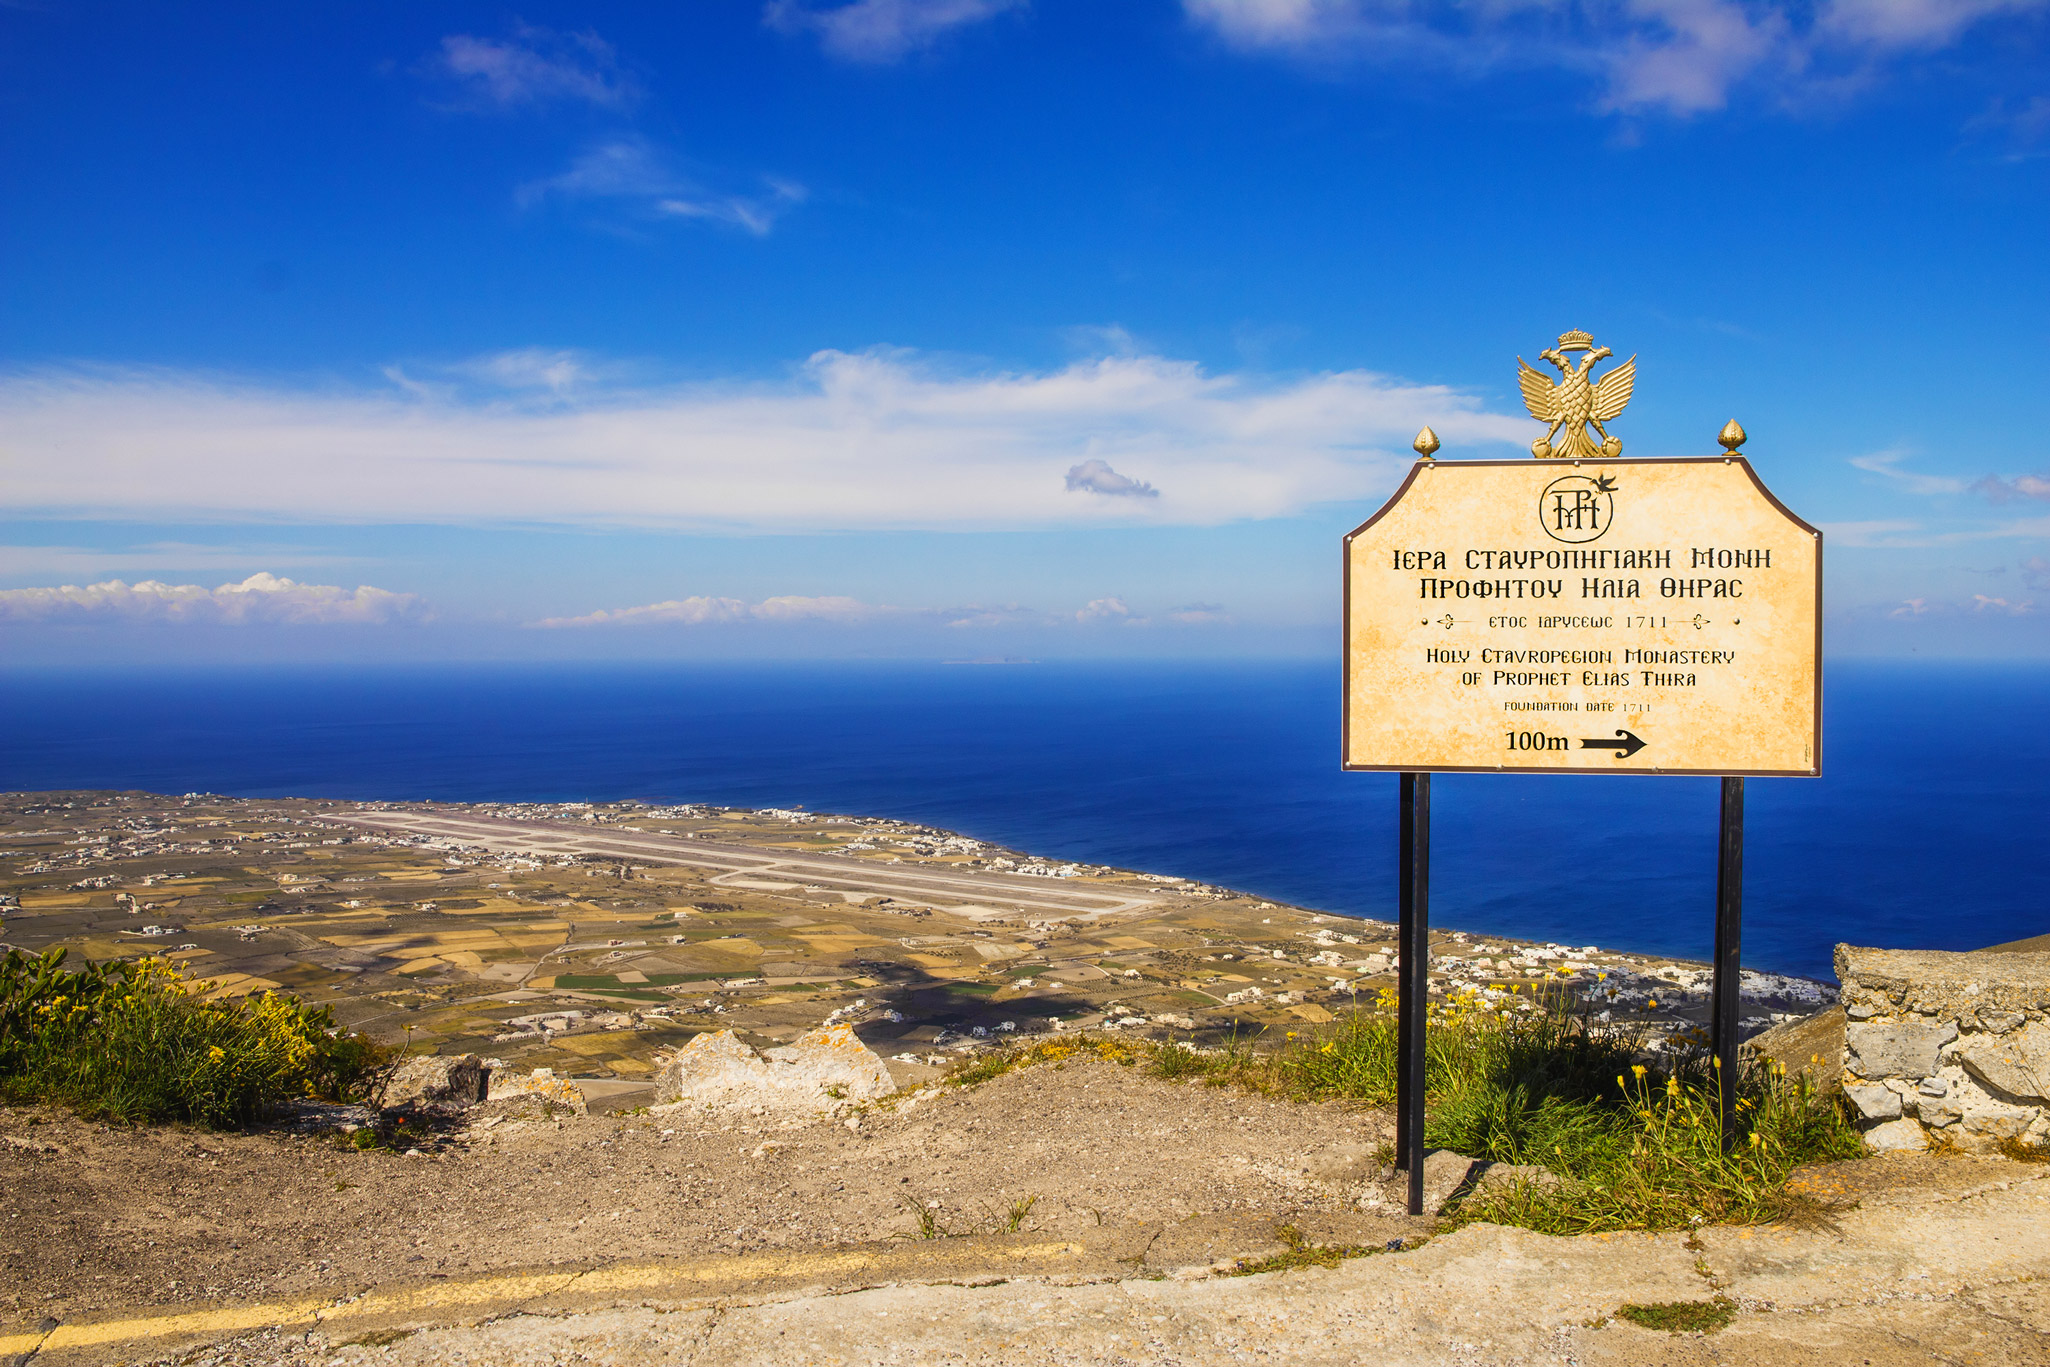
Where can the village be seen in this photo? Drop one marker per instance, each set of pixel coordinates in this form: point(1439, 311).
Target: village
point(597, 968)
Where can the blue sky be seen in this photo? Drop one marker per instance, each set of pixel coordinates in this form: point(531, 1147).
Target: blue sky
point(957, 328)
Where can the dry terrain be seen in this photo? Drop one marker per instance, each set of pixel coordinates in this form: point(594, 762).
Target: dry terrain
point(1083, 1213)
point(594, 939)
point(1074, 1212)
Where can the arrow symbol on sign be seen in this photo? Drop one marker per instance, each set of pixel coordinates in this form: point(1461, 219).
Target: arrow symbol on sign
point(1625, 745)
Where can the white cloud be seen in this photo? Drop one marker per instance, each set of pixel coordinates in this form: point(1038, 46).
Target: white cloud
point(2019, 129)
point(535, 66)
point(1095, 476)
point(880, 30)
point(974, 615)
point(843, 611)
point(1680, 57)
point(1879, 532)
point(697, 612)
point(2007, 490)
point(632, 172)
point(156, 557)
point(529, 368)
point(1892, 24)
point(1978, 605)
point(259, 600)
point(1887, 464)
point(1199, 615)
point(757, 213)
point(1106, 610)
point(872, 440)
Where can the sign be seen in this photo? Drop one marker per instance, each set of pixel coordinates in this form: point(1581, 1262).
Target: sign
point(1604, 616)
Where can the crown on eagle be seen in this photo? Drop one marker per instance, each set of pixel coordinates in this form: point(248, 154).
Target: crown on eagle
point(1576, 341)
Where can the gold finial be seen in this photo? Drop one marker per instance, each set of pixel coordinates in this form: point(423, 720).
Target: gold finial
point(1578, 401)
point(1426, 443)
point(1731, 437)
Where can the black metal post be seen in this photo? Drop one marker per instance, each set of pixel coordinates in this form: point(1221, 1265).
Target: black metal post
point(1729, 934)
point(1413, 980)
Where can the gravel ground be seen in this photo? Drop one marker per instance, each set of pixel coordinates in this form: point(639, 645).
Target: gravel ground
point(94, 1218)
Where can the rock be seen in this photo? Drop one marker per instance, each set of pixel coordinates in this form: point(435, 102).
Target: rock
point(1896, 1136)
point(1813, 1045)
point(543, 1085)
point(1943, 985)
point(1987, 1122)
point(307, 1116)
point(1904, 1049)
point(1874, 1101)
point(714, 1068)
point(1446, 1175)
point(459, 1079)
point(1938, 1114)
point(825, 1068)
point(832, 1060)
point(2016, 1063)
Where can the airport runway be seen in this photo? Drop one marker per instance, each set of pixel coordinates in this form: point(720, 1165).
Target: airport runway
point(971, 893)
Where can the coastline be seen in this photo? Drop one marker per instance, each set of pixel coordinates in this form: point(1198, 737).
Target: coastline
point(595, 938)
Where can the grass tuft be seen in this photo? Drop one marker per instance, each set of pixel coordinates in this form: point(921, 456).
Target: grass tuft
point(133, 1042)
point(2022, 1152)
point(1623, 1144)
point(1302, 1253)
point(1054, 1049)
point(1682, 1317)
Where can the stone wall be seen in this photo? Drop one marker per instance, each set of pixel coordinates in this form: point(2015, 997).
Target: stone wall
point(1947, 1046)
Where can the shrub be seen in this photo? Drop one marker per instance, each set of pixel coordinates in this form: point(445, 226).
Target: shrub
point(133, 1042)
point(1628, 1145)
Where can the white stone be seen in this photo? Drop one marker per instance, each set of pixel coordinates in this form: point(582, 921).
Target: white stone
point(824, 1068)
point(1897, 1049)
point(543, 1084)
point(2017, 1062)
point(459, 1078)
point(1874, 1101)
point(1896, 1136)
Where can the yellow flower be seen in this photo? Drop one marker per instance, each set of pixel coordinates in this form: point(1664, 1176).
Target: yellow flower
point(1672, 1086)
point(1637, 1069)
point(1619, 1079)
point(217, 1053)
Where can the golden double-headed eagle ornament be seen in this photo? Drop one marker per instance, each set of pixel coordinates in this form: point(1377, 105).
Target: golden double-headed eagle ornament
point(1578, 401)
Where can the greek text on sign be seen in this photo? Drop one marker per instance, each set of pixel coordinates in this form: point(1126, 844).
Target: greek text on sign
point(1611, 616)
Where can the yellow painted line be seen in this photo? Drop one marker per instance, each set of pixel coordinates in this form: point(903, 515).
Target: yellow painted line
point(450, 1297)
point(192, 1322)
point(646, 1276)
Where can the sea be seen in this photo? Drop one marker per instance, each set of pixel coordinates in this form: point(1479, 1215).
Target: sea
point(1929, 828)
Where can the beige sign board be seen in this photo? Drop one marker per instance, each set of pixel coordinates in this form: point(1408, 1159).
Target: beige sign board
point(1597, 616)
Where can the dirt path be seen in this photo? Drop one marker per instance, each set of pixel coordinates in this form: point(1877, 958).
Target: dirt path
point(95, 1220)
point(1942, 1262)
point(639, 1239)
